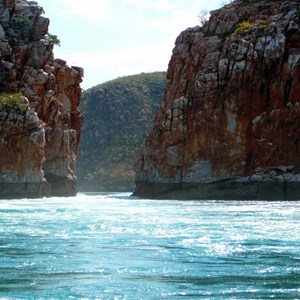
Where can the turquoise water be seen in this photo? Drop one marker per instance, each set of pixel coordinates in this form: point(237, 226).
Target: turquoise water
point(114, 247)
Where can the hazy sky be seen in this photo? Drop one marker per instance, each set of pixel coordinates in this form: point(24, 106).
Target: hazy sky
point(113, 38)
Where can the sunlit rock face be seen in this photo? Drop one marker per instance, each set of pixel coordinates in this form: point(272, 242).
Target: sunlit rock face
point(229, 124)
point(38, 144)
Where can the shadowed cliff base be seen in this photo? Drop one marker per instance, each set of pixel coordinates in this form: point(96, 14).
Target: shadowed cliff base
point(54, 187)
point(24, 190)
point(223, 190)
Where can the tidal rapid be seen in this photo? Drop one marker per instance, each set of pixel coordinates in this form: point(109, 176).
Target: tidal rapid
point(115, 247)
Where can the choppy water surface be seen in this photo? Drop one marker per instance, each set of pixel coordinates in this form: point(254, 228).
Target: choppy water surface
point(114, 247)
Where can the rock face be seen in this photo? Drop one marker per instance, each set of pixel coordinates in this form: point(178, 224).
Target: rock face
point(39, 137)
point(229, 125)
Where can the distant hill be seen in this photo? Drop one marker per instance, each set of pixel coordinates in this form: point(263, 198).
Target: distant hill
point(118, 117)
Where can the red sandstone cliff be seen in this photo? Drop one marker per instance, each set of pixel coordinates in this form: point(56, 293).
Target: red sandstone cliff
point(229, 124)
point(39, 139)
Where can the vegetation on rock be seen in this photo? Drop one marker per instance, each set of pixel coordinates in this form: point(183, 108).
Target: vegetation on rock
point(10, 101)
point(53, 39)
point(243, 27)
point(118, 116)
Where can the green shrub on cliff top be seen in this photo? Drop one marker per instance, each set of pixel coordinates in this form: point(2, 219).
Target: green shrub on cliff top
point(53, 39)
point(10, 101)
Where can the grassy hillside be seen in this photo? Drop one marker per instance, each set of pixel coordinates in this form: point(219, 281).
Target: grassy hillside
point(118, 116)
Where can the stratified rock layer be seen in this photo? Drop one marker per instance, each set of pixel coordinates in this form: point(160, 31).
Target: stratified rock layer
point(38, 144)
point(229, 125)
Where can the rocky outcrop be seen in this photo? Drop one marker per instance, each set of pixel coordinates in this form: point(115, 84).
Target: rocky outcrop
point(40, 132)
point(229, 125)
